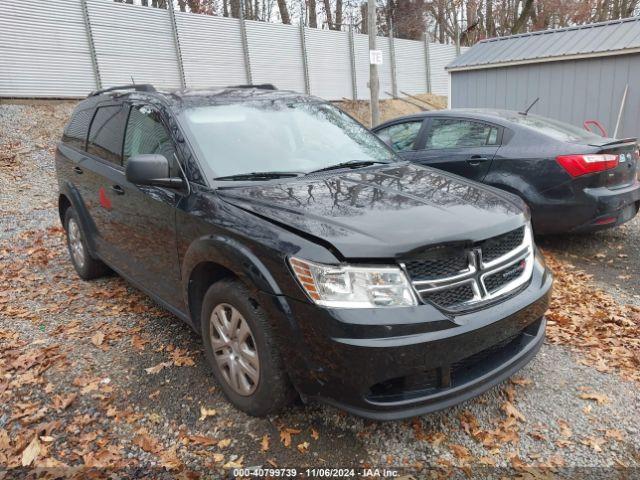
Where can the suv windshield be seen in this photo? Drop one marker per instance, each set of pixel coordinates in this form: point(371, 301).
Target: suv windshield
point(280, 136)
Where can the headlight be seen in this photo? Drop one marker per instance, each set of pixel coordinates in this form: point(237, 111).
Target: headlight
point(353, 287)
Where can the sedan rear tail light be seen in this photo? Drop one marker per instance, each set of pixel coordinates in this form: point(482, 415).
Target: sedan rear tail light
point(577, 165)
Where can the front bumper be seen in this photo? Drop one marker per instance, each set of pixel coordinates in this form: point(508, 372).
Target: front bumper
point(399, 362)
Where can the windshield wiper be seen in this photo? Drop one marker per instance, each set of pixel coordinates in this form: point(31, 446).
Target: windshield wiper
point(260, 175)
point(349, 164)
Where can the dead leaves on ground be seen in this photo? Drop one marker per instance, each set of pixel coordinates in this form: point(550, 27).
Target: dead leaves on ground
point(582, 316)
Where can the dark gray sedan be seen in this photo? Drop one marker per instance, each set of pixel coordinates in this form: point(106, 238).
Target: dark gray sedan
point(572, 180)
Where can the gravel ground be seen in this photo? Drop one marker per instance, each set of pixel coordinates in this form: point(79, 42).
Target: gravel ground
point(61, 336)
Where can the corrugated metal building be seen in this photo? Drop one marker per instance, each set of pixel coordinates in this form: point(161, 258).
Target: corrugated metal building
point(579, 73)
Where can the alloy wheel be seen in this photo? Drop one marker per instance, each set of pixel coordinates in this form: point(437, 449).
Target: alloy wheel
point(75, 243)
point(234, 349)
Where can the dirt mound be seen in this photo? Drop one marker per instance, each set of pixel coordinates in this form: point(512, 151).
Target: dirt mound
point(394, 107)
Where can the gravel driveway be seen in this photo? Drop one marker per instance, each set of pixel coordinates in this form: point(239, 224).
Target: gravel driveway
point(92, 374)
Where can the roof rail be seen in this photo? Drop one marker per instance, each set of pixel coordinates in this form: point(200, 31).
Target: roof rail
point(262, 86)
point(143, 87)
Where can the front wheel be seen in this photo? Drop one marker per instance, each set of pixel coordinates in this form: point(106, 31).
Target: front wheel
point(241, 350)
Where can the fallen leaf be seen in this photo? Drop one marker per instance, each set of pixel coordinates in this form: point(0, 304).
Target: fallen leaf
point(460, 451)
point(98, 338)
point(157, 368)
point(201, 440)
point(30, 453)
point(224, 443)
point(601, 398)
point(264, 444)
point(615, 434)
point(303, 447)
point(63, 402)
point(285, 435)
point(512, 411)
point(218, 457)
point(234, 464)
point(4, 439)
point(147, 443)
point(207, 412)
point(314, 434)
point(594, 443)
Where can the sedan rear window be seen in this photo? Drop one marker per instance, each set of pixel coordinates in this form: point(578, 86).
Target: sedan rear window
point(554, 128)
point(278, 136)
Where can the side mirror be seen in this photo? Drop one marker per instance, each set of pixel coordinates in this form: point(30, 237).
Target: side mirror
point(151, 169)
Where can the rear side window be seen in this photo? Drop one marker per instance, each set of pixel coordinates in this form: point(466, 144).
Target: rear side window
point(401, 137)
point(107, 132)
point(453, 133)
point(147, 134)
point(75, 134)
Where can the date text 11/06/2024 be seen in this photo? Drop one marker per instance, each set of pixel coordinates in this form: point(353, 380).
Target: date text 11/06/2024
point(316, 472)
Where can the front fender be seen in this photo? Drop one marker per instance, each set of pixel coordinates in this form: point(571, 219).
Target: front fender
point(232, 255)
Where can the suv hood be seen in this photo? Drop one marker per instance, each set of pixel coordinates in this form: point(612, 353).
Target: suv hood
point(383, 211)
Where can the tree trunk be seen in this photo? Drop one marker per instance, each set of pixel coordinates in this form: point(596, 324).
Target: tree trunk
point(225, 8)
point(338, 24)
point(145, 3)
point(491, 27)
point(235, 8)
point(521, 21)
point(284, 12)
point(182, 5)
point(327, 11)
point(313, 13)
point(365, 18)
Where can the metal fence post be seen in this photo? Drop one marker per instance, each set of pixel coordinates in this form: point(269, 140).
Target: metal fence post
point(245, 44)
point(91, 43)
point(427, 61)
point(352, 54)
point(176, 42)
point(305, 60)
point(392, 51)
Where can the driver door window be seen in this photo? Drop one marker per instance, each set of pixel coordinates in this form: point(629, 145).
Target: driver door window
point(146, 134)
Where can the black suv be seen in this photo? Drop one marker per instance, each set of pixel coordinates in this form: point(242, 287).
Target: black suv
point(310, 258)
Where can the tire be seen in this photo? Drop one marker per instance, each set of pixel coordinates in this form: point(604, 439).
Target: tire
point(86, 266)
point(267, 389)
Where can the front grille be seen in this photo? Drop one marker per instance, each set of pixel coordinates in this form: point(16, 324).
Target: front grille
point(442, 265)
point(451, 296)
point(499, 279)
point(501, 245)
point(455, 277)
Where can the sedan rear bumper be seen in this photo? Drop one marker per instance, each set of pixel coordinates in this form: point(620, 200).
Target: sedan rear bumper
point(584, 210)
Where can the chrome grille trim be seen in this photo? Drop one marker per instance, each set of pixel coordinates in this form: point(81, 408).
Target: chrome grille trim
point(476, 273)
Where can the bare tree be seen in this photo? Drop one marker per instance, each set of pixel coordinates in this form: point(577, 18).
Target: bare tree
point(313, 14)
point(284, 12)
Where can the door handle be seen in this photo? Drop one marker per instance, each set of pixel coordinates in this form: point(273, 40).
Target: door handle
point(475, 160)
point(77, 169)
point(118, 189)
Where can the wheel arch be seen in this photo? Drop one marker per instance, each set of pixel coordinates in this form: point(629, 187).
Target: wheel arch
point(214, 258)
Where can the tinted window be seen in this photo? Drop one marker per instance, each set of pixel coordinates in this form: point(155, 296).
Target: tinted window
point(107, 131)
point(401, 137)
point(452, 133)
point(279, 135)
point(76, 132)
point(146, 134)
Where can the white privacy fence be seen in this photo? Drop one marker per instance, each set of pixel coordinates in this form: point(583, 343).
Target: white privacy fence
point(66, 48)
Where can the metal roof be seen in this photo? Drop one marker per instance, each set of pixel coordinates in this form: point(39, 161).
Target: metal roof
point(596, 39)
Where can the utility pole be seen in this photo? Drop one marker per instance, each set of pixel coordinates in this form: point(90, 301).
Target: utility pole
point(374, 85)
